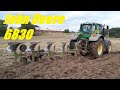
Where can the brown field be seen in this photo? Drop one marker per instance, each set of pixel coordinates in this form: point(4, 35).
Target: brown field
point(107, 67)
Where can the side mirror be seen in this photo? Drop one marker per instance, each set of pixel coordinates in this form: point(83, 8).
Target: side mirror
point(107, 27)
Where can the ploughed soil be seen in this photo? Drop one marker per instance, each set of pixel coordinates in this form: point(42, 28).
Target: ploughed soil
point(107, 67)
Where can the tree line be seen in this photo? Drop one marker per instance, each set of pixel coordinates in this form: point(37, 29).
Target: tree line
point(114, 32)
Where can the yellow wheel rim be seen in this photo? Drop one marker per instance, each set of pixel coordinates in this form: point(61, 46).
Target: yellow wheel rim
point(100, 48)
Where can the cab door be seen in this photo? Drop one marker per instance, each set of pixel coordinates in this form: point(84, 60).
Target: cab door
point(99, 30)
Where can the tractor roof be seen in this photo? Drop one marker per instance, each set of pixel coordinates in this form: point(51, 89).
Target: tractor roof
point(91, 23)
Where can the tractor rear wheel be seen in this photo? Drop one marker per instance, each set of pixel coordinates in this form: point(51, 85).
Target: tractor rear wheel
point(97, 48)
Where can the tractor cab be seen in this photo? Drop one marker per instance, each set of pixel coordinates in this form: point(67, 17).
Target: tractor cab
point(87, 29)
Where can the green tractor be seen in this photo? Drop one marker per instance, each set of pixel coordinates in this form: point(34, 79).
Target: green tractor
point(93, 39)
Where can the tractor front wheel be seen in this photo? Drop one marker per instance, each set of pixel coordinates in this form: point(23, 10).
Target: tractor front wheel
point(109, 47)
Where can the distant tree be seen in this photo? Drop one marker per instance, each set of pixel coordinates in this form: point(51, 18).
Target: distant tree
point(66, 31)
point(3, 28)
point(27, 26)
point(72, 31)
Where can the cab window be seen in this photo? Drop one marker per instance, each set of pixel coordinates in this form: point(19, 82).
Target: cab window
point(99, 27)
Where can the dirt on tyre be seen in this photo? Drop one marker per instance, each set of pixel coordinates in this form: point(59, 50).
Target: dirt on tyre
point(97, 48)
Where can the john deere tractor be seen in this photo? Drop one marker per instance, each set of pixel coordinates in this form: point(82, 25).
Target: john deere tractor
point(93, 39)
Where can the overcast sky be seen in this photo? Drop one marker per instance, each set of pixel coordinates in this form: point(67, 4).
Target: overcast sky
point(73, 19)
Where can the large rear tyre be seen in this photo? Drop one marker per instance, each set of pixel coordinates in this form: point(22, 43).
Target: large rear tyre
point(97, 48)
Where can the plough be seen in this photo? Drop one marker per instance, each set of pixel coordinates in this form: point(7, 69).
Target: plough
point(34, 52)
